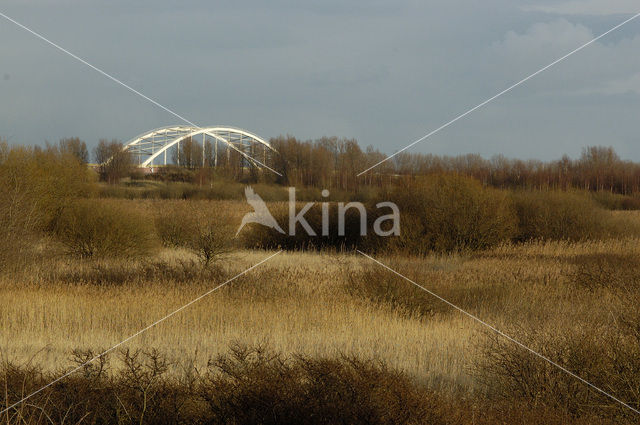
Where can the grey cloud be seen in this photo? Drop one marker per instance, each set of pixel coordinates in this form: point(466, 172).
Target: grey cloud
point(629, 85)
point(383, 72)
point(602, 62)
point(587, 7)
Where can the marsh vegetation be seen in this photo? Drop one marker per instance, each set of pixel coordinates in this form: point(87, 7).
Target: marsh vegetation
point(319, 334)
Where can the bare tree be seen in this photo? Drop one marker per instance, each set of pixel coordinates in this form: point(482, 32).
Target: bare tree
point(76, 147)
point(188, 154)
point(114, 162)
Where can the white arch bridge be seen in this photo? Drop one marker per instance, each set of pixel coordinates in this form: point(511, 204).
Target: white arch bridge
point(152, 146)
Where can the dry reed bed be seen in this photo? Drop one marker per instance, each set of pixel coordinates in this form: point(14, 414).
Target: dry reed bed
point(303, 303)
point(295, 303)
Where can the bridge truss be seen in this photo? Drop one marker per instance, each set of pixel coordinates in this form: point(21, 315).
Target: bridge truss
point(151, 147)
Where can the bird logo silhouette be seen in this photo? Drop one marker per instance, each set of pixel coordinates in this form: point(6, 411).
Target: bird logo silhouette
point(260, 215)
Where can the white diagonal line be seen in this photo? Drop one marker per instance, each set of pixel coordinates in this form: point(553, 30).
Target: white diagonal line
point(141, 331)
point(491, 99)
point(114, 79)
point(499, 332)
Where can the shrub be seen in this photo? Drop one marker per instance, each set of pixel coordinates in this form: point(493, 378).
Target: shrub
point(184, 225)
point(250, 385)
point(450, 212)
point(175, 224)
point(558, 216)
point(606, 358)
point(140, 393)
point(380, 287)
point(257, 236)
point(100, 229)
point(253, 385)
point(210, 242)
point(614, 201)
point(35, 186)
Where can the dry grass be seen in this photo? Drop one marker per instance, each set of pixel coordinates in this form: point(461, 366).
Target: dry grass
point(324, 305)
point(300, 302)
point(295, 302)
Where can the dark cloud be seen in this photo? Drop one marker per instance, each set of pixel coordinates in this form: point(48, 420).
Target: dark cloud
point(383, 72)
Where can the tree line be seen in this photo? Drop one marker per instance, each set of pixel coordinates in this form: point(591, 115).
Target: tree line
point(332, 162)
point(336, 163)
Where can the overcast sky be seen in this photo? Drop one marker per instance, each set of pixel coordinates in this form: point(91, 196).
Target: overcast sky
point(383, 72)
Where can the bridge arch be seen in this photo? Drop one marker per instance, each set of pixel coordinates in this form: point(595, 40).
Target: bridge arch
point(152, 144)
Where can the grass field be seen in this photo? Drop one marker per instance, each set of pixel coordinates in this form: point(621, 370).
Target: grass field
point(331, 304)
point(69, 293)
point(297, 302)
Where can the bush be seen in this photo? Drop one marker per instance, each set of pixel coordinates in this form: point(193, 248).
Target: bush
point(100, 229)
point(256, 386)
point(257, 236)
point(379, 286)
point(210, 242)
point(183, 225)
point(558, 216)
point(250, 385)
point(35, 186)
point(175, 224)
point(608, 359)
point(614, 201)
point(450, 212)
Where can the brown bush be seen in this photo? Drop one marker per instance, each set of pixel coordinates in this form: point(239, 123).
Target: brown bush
point(250, 385)
point(257, 236)
point(175, 224)
point(101, 229)
point(614, 201)
point(35, 186)
point(449, 212)
point(253, 385)
point(211, 242)
point(559, 216)
point(141, 393)
point(605, 358)
point(205, 233)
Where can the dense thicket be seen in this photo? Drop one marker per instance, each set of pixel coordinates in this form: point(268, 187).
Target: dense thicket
point(113, 162)
point(35, 187)
point(449, 212)
point(250, 385)
point(355, 232)
point(88, 230)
